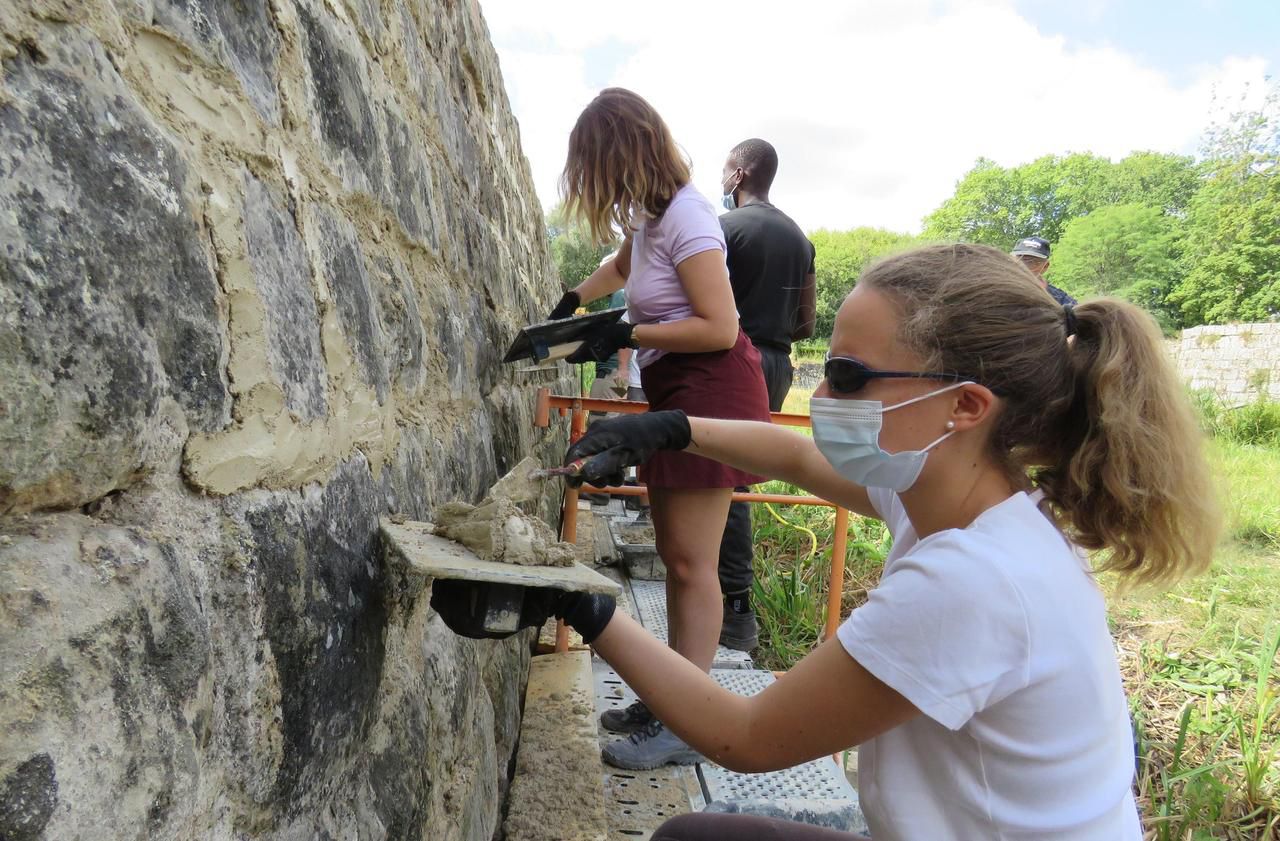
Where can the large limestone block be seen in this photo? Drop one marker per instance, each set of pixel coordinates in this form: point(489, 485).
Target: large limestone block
point(108, 302)
point(341, 110)
point(283, 277)
point(350, 288)
point(105, 701)
point(239, 35)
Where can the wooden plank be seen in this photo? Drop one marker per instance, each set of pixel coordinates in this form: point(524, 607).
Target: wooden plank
point(438, 557)
point(557, 793)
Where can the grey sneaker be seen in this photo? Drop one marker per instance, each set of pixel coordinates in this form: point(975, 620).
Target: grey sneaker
point(650, 747)
point(629, 719)
point(739, 631)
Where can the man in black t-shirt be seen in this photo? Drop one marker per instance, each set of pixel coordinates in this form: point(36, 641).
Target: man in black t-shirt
point(771, 269)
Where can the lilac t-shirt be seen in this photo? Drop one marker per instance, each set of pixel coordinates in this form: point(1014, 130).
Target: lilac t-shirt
point(654, 292)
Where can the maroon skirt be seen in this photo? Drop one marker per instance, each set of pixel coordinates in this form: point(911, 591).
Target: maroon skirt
point(721, 384)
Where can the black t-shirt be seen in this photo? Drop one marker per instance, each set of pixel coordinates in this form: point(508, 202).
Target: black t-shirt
point(768, 259)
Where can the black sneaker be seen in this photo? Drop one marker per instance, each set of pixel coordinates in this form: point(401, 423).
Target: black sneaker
point(739, 631)
point(628, 719)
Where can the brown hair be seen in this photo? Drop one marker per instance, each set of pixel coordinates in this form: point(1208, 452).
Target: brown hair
point(1100, 422)
point(621, 158)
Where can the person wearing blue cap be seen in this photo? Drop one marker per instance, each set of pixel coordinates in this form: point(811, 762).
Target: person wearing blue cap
point(1034, 254)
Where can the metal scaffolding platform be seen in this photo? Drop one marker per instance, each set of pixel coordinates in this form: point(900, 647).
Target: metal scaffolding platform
point(637, 802)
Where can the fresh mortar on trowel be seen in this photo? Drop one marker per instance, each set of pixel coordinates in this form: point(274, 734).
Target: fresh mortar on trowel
point(499, 530)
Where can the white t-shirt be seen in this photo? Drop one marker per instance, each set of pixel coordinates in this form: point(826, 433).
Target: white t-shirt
point(998, 634)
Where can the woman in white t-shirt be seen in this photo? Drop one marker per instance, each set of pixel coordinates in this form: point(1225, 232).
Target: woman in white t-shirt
point(998, 434)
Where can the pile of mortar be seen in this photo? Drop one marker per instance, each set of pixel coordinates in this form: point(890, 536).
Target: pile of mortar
point(499, 529)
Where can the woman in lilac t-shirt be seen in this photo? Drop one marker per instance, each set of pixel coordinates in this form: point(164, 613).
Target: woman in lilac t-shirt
point(624, 172)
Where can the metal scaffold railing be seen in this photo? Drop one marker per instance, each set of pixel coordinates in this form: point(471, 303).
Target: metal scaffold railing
point(577, 409)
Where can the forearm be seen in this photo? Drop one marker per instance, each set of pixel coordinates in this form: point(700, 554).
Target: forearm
point(603, 281)
point(807, 312)
point(806, 322)
point(694, 334)
point(827, 702)
point(779, 453)
point(707, 716)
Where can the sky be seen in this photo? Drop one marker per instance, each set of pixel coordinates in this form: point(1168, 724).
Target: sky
point(878, 107)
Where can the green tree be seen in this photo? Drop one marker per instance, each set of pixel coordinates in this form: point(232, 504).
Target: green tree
point(997, 205)
point(575, 255)
point(1232, 247)
point(1129, 250)
point(1168, 182)
point(985, 208)
point(840, 257)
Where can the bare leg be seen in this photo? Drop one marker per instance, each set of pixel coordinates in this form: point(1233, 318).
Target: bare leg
point(688, 524)
point(673, 595)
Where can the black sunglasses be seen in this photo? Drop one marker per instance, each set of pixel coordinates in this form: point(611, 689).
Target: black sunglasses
point(848, 376)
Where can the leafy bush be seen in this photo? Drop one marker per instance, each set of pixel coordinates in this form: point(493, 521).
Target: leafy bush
point(1254, 423)
point(810, 350)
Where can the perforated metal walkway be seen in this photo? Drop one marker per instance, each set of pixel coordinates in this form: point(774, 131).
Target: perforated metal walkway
point(650, 598)
point(637, 802)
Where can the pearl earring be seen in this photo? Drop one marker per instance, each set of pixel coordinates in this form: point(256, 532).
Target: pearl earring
point(951, 425)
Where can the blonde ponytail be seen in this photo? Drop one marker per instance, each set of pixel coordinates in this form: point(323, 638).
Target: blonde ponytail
point(1130, 476)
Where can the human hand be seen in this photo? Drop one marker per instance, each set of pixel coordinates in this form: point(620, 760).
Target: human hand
point(569, 303)
point(603, 342)
point(614, 444)
point(463, 605)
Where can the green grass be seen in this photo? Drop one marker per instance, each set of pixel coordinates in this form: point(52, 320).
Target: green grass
point(797, 402)
point(810, 350)
point(1250, 474)
point(1199, 661)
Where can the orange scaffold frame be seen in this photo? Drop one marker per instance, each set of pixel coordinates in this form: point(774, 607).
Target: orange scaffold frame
point(579, 407)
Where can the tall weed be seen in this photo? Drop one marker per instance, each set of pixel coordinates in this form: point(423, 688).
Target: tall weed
point(1253, 423)
point(791, 581)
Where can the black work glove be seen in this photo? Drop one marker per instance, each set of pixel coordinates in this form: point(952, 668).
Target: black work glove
point(569, 302)
point(603, 342)
point(614, 444)
point(586, 613)
point(461, 604)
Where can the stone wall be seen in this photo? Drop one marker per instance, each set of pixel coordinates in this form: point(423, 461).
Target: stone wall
point(258, 262)
point(1238, 362)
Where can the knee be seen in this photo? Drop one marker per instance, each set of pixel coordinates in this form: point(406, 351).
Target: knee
point(683, 567)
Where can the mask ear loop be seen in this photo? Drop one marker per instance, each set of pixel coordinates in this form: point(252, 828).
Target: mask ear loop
point(939, 440)
point(951, 387)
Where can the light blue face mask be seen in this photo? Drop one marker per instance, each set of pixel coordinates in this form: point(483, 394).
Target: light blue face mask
point(847, 433)
point(727, 199)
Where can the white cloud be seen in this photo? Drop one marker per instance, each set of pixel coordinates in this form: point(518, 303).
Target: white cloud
point(876, 108)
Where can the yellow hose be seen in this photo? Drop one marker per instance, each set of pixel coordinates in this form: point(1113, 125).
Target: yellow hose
point(813, 538)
